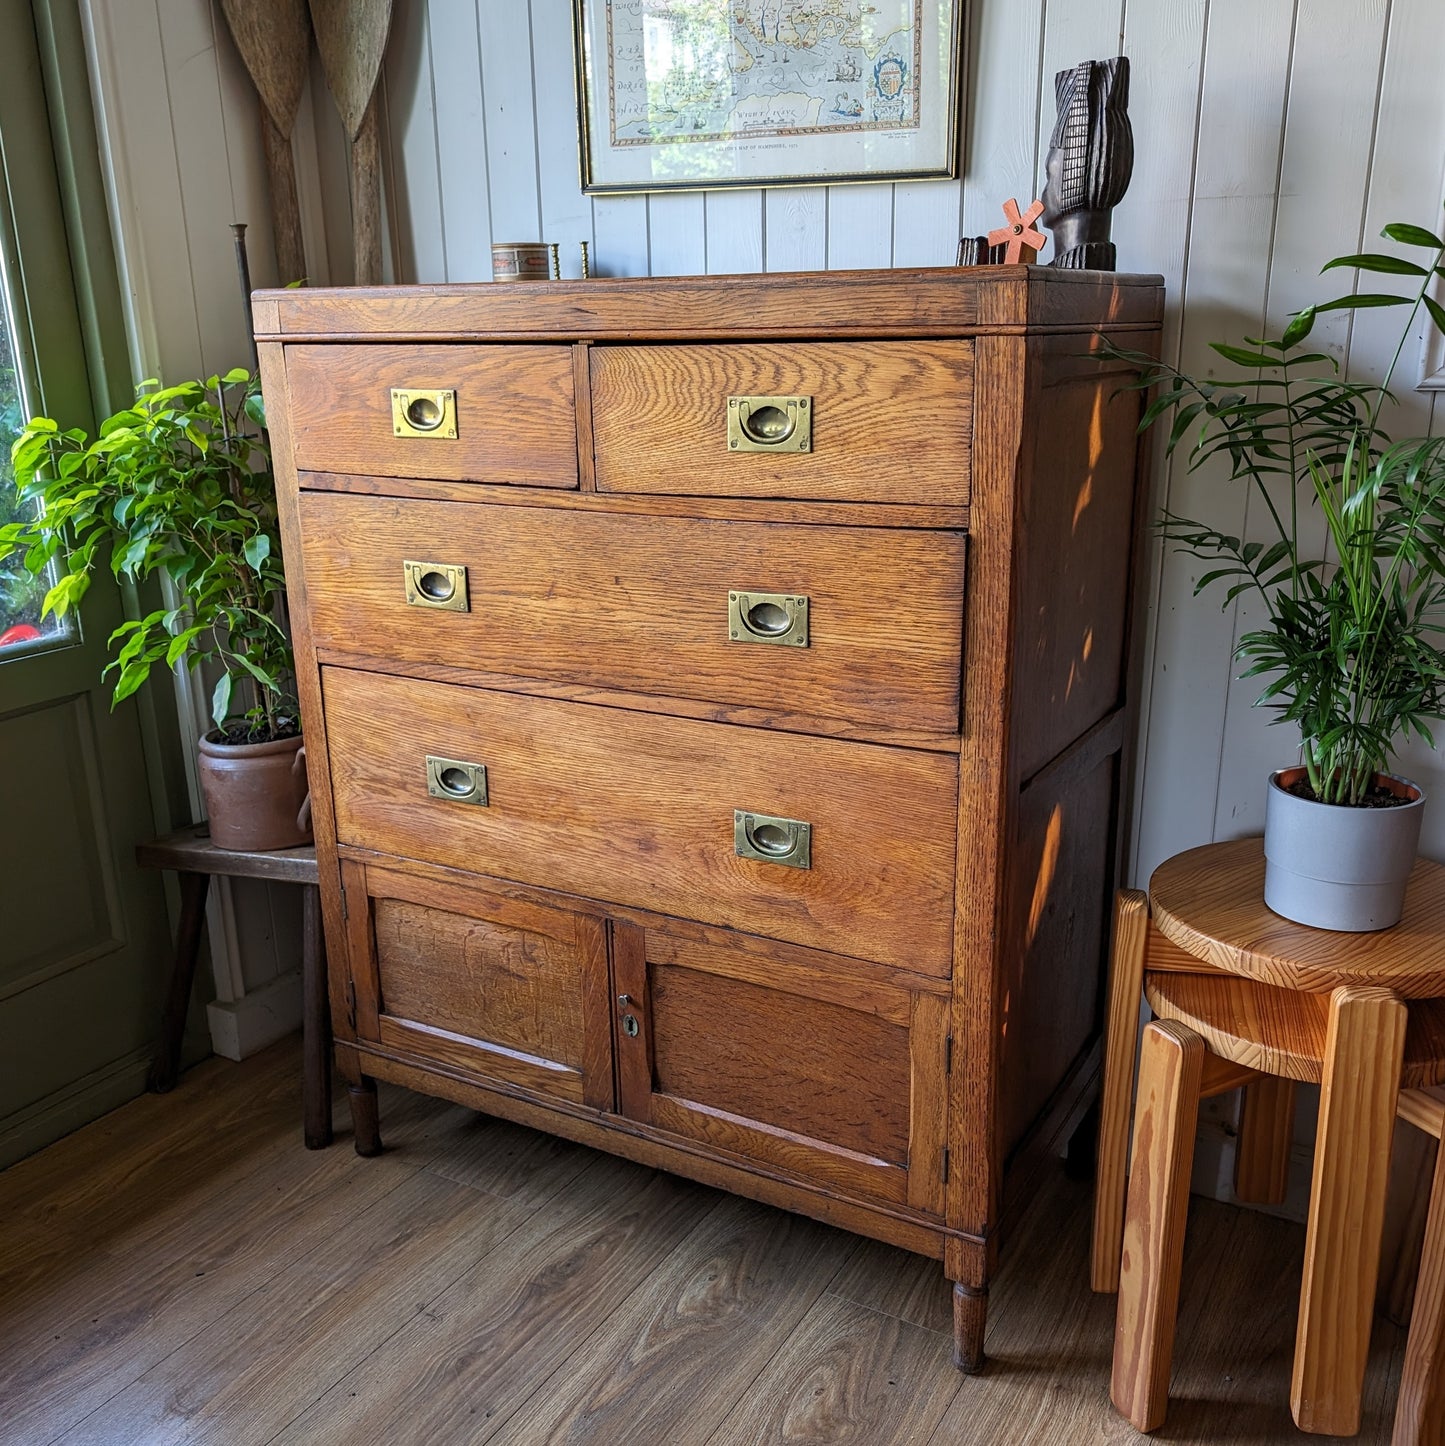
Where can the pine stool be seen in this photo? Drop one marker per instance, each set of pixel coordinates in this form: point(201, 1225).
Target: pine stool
point(1210, 1033)
point(1204, 916)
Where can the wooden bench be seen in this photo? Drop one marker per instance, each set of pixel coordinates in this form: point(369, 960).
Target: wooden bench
point(195, 859)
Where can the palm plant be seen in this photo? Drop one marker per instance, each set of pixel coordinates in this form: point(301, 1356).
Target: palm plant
point(1349, 641)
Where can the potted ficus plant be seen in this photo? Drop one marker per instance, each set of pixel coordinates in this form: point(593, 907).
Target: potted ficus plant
point(1348, 638)
point(179, 485)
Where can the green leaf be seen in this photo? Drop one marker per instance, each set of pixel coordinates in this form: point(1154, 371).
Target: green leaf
point(1242, 357)
point(256, 409)
point(1299, 328)
point(1437, 312)
point(1408, 235)
point(1361, 299)
point(257, 550)
point(1377, 261)
point(221, 700)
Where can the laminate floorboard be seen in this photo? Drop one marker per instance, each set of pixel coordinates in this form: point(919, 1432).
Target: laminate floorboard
point(183, 1270)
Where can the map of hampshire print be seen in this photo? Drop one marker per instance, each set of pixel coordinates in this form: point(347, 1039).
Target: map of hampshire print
point(715, 70)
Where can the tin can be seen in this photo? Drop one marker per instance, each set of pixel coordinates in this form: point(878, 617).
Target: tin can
point(521, 261)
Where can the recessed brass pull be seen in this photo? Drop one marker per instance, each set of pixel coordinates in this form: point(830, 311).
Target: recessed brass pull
point(424, 413)
point(786, 841)
point(770, 424)
point(436, 585)
point(457, 780)
point(768, 617)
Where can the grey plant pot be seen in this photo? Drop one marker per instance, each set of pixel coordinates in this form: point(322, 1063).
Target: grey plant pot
point(1337, 867)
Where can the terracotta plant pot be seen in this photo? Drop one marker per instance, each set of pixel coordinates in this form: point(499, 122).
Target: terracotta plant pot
point(1338, 867)
point(256, 794)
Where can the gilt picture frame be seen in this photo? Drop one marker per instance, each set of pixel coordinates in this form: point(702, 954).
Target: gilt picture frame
point(704, 94)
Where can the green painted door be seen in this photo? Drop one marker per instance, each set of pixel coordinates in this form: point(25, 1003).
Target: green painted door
point(83, 934)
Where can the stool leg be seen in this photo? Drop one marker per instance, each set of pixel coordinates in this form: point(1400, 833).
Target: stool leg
point(315, 1027)
point(1406, 1210)
point(1364, 1047)
point(1420, 1414)
point(1266, 1131)
point(1165, 1114)
point(1121, 1028)
point(167, 1061)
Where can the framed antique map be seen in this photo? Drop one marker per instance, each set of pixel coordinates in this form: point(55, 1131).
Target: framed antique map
point(692, 94)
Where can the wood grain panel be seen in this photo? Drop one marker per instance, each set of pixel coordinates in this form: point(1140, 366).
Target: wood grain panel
point(925, 302)
point(805, 1066)
point(516, 417)
point(516, 987)
point(892, 421)
point(616, 805)
point(1210, 902)
point(498, 986)
point(595, 598)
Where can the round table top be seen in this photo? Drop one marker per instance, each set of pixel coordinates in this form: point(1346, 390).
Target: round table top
point(1210, 902)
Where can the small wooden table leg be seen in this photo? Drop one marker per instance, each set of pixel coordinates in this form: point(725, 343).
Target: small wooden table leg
point(1420, 1413)
point(970, 1315)
point(1364, 1048)
point(365, 1124)
point(315, 1027)
point(167, 1062)
point(1171, 1067)
point(1266, 1132)
point(1126, 988)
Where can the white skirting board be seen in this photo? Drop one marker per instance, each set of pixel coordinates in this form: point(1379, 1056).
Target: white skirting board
point(241, 1027)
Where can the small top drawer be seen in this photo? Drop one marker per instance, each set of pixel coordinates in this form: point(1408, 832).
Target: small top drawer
point(888, 421)
point(504, 414)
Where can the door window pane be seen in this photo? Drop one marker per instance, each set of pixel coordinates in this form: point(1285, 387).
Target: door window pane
point(21, 594)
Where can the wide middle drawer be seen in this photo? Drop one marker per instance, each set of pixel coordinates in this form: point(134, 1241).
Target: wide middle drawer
point(641, 810)
point(641, 604)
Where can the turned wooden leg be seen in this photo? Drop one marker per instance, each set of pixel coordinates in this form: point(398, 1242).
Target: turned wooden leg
point(1420, 1412)
point(1266, 1132)
point(167, 1061)
point(1126, 987)
point(1171, 1065)
point(1364, 1046)
point(315, 1027)
point(970, 1314)
point(365, 1125)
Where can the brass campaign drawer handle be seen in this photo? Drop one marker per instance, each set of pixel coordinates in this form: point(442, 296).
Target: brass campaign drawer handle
point(457, 780)
point(786, 841)
point(423, 412)
point(768, 617)
point(770, 424)
point(436, 585)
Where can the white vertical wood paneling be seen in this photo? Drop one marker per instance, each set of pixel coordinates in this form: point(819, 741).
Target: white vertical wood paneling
point(511, 128)
point(1327, 142)
point(462, 164)
point(677, 233)
point(414, 173)
point(797, 228)
point(1235, 172)
point(734, 232)
point(860, 227)
point(619, 236)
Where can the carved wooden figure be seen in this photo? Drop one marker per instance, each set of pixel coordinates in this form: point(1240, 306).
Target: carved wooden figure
point(1090, 161)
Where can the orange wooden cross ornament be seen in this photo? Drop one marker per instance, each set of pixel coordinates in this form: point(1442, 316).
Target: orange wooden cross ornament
point(1023, 241)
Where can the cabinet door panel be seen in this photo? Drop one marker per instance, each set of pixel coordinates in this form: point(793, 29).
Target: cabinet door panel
point(511, 990)
point(790, 1074)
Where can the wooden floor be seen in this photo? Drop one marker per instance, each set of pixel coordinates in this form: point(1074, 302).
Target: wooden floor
point(184, 1271)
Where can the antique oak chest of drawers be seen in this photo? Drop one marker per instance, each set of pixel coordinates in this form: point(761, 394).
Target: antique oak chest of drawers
point(716, 692)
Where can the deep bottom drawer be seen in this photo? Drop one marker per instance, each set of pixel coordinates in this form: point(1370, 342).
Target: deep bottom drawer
point(643, 810)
